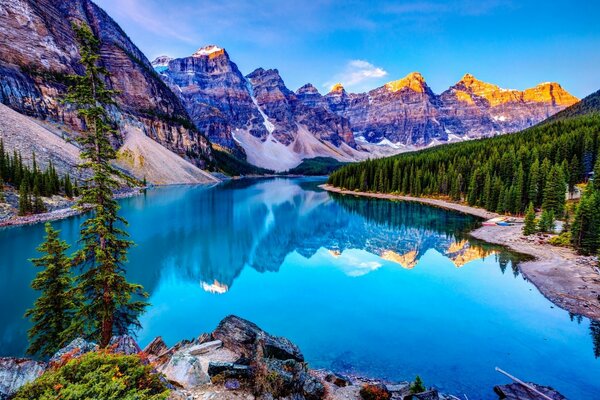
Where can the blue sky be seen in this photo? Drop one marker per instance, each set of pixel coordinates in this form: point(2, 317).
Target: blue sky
point(363, 44)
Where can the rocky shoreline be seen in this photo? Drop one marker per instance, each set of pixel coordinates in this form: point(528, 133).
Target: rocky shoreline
point(569, 280)
point(238, 360)
point(10, 218)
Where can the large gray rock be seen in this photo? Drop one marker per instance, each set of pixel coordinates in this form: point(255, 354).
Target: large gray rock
point(246, 338)
point(515, 391)
point(156, 347)
point(293, 380)
point(427, 395)
point(184, 370)
point(229, 370)
point(124, 344)
point(16, 372)
point(76, 348)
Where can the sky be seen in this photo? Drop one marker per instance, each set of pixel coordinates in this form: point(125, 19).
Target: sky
point(363, 44)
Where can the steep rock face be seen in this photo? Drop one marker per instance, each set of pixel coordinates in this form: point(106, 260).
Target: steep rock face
point(407, 112)
point(16, 372)
point(215, 94)
point(474, 108)
point(287, 110)
point(257, 116)
point(403, 111)
point(39, 50)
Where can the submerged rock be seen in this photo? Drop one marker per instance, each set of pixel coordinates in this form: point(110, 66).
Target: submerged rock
point(16, 372)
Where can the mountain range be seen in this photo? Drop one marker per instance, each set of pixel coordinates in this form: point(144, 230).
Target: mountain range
point(182, 111)
point(258, 117)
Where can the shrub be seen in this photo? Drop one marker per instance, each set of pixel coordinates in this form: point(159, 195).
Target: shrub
point(97, 375)
point(417, 386)
point(562, 240)
point(374, 392)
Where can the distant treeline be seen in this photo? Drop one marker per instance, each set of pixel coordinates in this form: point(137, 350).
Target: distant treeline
point(505, 174)
point(502, 174)
point(31, 181)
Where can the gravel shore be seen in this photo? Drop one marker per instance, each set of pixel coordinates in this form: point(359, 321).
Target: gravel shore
point(567, 279)
point(12, 219)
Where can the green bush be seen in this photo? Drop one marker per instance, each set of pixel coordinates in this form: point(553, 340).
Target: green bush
point(417, 386)
point(97, 375)
point(562, 240)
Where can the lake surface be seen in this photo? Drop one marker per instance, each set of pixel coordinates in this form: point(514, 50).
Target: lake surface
point(387, 289)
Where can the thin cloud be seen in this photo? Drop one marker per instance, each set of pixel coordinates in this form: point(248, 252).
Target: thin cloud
point(357, 74)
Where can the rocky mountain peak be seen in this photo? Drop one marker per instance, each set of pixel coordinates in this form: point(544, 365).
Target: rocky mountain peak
point(337, 88)
point(550, 92)
point(161, 63)
point(413, 81)
point(309, 88)
point(473, 85)
point(210, 51)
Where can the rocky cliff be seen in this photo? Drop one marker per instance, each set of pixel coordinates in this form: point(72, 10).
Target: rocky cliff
point(255, 117)
point(39, 50)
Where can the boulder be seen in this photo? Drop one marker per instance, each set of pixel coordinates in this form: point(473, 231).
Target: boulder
point(206, 347)
point(156, 347)
point(184, 370)
point(427, 395)
point(76, 348)
point(245, 338)
point(292, 378)
point(515, 391)
point(337, 380)
point(398, 390)
point(229, 370)
point(205, 337)
point(15, 372)
point(124, 344)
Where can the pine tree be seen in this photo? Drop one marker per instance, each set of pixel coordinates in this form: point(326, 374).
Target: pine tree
point(38, 205)
point(417, 386)
point(24, 198)
point(585, 228)
point(554, 191)
point(546, 223)
point(53, 312)
point(68, 186)
point(530, 224)
point(110, 305)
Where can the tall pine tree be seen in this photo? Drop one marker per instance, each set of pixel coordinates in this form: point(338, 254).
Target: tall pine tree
point(111, 304)
point(53, 312)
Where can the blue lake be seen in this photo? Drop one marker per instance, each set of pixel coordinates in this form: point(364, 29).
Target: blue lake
point(386, 289)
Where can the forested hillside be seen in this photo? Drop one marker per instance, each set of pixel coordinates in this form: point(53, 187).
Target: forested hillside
point(503, 174)
point(588, 105)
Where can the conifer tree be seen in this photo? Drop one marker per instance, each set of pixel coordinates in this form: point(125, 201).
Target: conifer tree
point(53, 312)
point(546, 223)
point(554, 191)
point(530, 224)
point(111, 303)
point(37, 205)
point(24, 198)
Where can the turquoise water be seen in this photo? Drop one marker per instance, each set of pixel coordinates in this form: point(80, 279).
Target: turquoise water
point(386, 289)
